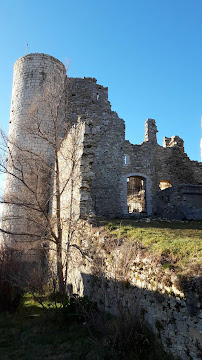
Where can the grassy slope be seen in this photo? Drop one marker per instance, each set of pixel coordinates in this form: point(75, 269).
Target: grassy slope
point(53, 336)
point(178, 243)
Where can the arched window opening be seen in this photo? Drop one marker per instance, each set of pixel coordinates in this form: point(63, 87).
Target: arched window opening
point(164, 184)
point(136, 194)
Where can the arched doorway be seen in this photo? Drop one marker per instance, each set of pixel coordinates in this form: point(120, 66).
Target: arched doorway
point(136, 194)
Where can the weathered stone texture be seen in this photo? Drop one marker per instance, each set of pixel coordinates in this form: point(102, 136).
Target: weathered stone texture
point(43, 96)
point(95, 163)
point(156, 163)
point(35, 77)
point(120, 279)
point(180, 202)
point(106, 132)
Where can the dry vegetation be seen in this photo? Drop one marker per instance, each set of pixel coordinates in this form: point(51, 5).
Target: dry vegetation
point(175, 244)
point(75, 330)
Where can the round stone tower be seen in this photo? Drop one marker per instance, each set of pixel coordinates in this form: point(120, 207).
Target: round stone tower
point(37, 97)
point(33, 74)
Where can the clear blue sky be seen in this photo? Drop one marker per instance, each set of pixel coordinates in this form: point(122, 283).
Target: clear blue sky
point(148, 52)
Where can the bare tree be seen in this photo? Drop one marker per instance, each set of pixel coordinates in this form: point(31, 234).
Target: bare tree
point(41, 185)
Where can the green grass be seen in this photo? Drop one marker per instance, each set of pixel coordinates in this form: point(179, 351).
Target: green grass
point(178, 243)
point(48, 335)
point(57, 335)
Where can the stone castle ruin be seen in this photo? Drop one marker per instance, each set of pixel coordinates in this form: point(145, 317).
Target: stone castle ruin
point(102, 174)
point(67, 159)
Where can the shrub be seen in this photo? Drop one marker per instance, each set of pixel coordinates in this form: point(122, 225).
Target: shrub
point(10, 293)
point(126, 337)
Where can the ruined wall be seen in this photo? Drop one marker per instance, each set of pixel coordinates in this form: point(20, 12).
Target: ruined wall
point(95, 162)
point(76, 156)
point(180, 202)
point(87, 98)
point(47, 110)
point(158, 163)
point(121, 279)
point(69, 156)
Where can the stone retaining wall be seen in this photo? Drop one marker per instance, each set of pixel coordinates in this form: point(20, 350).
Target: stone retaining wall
point(119, 277)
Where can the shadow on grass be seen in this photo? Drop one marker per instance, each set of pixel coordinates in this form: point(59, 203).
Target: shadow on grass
point(147, 223)
point(78, 332)
point(33, 333)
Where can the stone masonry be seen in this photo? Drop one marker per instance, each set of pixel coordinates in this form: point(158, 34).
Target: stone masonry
point(64, 123)
point(105, 161)
point(122, 279)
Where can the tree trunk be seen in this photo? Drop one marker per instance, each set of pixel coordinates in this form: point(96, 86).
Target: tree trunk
point(60, 268)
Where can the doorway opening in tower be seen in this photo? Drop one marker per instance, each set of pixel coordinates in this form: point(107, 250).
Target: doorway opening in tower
point(136, 194)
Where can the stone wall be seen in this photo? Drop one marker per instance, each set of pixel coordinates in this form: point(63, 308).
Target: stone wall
point(181, 202)
point(155, 163)
point(48, 110)
point(69, 156)
point(88, 99)
point(121, 278)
